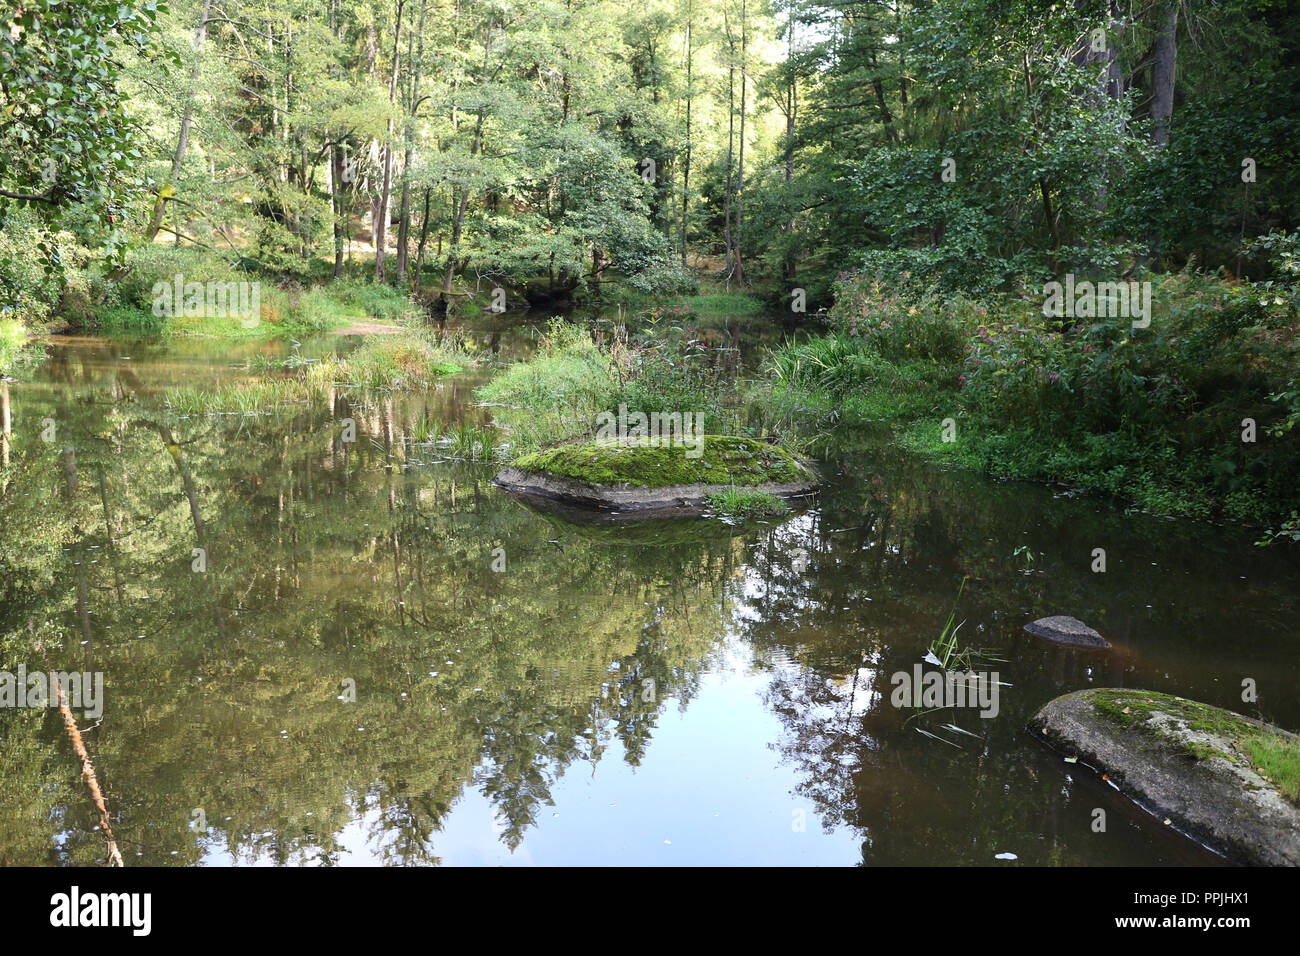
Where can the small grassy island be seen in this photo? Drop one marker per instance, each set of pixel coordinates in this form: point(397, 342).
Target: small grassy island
point(635, 475)
point(719, 460)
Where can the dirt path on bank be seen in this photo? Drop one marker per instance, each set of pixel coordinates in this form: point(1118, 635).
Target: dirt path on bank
point(366, 327)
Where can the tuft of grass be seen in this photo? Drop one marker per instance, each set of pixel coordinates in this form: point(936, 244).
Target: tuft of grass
point(464, 442)
point(393, 362)
point(1278, 759)
point(556, 395)
point(744, 503)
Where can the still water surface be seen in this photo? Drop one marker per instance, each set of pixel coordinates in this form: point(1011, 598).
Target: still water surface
point(682, 692)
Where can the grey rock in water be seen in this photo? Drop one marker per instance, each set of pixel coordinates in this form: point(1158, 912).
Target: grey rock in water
point(1183, 761)
point(1063, 629)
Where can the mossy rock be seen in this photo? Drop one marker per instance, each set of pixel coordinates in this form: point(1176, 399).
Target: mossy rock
point(1228, 781)
point(631, 476)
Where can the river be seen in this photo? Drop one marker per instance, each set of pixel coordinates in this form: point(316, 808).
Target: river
point(382, 658)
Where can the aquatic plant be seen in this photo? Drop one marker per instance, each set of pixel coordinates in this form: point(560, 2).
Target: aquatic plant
point(744, 503)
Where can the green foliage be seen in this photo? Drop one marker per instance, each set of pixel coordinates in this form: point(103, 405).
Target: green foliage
point(721, 460)
point(745, 503)
point(29, 291)
point(67, 139)
point(671, 369)
point(1153, 415)
point(556, 394)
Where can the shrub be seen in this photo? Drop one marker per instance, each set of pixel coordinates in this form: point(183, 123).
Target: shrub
point(902, 327)
point(672, 369)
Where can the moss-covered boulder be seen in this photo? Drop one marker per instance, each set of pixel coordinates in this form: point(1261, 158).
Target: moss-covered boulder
point(1230, 782)
point(633, 476)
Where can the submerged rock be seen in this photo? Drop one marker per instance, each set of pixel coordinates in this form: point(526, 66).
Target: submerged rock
point(1062, 629)
point(637, 476)
point(1204, 770)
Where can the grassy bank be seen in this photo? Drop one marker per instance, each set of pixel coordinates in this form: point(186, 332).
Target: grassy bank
point(165, 290)
point(1192, 415)
point(560, 392)
point(384, 363)
point(283, 311)
point(710, 301)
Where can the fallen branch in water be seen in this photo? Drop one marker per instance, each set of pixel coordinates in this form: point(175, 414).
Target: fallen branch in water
point(87, 772)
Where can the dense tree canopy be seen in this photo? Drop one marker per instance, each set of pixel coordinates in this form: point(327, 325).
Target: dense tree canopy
point(552, 147)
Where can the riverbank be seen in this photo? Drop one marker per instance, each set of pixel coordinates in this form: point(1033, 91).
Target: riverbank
point(1192, 416)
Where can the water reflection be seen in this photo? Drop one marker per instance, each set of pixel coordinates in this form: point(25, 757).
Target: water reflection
point(677, 694)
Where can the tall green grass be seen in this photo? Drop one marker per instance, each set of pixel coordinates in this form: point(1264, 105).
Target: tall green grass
point(557, 394)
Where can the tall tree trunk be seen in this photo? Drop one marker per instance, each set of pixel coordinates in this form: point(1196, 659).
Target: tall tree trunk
point(1114, 36)
point(424, 238)
point(886, 117)
point(1163, 70)
point(460, 197)
point(731, 139)
point(686, 163)
point(740, 170)
point(791, 107)
point(386, 190)
point(414, 66)
point(187, 119)
point(6, 427)
point(340, 207)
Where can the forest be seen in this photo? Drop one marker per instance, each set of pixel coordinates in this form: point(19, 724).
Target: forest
point(838, 162)
point(284, 283)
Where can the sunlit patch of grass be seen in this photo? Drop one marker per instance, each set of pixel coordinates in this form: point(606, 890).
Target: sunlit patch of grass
point(1278, 759)
point(283, 312)
point(12, 339)
point(393, 362)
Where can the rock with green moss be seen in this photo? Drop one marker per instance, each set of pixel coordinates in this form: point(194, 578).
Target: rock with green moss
point(1230, 782)
point(632, 476)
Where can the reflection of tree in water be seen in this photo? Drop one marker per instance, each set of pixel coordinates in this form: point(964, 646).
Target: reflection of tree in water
point(371, 561)
point(836, 601)
point(326, 561)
